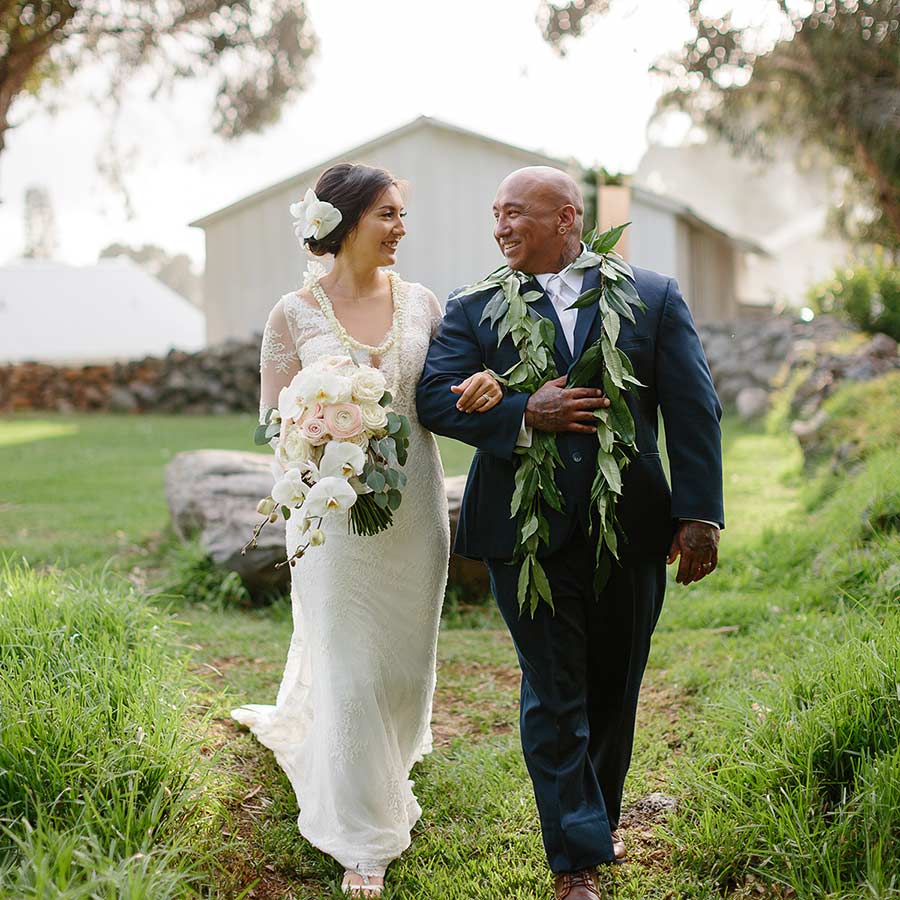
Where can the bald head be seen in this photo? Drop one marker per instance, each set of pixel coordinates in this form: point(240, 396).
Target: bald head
point(538, 213)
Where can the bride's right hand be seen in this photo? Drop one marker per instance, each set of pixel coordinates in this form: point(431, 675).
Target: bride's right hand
point(478, 393)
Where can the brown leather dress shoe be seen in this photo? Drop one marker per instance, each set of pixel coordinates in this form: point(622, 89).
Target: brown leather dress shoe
point(618, 847)
point(577, 885)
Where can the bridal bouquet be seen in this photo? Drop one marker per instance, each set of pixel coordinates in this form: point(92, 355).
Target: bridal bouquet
point(338, 448)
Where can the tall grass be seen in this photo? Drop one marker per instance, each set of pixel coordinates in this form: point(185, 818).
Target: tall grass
point(797, 778)
point(99, 787)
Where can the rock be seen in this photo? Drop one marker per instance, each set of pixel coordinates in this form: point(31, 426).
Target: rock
point(469, 574)
point(752, 403)
point(212, 495)
point(807, 432)
point(881, 346)
point(121, 400)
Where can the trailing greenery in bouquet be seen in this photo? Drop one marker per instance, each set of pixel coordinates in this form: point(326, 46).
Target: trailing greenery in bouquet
point(510, 311)
point(339, 448)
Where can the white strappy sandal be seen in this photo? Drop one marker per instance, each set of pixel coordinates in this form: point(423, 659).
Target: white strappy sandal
point(365, 889)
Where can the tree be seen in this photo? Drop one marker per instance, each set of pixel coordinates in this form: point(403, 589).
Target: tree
point(258, 49)
point(832, 80)
point(176, 272)
point(40, 225)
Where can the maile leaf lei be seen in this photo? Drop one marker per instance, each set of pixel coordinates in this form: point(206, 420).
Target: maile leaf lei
point(511, 313)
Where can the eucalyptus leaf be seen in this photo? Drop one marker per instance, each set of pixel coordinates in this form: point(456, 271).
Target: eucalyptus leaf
point(376, 481)
point(259, 435)
point(381, 500)
point(386, 399)
point(394, 499)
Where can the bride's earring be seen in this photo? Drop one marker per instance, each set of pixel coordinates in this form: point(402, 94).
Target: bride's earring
point(562, 229)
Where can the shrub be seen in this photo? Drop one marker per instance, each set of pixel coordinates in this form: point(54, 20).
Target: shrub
point(868, 295)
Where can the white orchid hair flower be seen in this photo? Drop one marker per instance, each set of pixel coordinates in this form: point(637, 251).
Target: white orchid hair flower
point(314, 218)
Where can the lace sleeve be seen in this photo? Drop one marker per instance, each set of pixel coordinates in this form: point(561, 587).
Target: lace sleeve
point(278, 361)
point(436, 314)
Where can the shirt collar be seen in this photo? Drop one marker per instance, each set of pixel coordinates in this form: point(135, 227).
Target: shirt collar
point(571, 277)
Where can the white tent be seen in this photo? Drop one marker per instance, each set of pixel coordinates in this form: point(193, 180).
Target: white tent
point(51, 312)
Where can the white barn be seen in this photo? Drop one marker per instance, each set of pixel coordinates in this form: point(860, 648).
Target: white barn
point(56, 313)
point(252, 256)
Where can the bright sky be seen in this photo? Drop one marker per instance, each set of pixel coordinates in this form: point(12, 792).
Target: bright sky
point(480, 64)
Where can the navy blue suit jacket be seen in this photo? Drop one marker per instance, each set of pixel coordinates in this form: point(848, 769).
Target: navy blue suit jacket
point(663, 346)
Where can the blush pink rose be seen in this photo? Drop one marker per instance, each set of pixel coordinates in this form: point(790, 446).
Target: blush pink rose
point(315, 431)
point(311, 412)
point(344, 420)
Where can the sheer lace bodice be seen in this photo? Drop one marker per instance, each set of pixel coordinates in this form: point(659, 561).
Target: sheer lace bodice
point(353, 711)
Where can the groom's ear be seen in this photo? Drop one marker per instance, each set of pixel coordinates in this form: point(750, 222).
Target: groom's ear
point(567, 216)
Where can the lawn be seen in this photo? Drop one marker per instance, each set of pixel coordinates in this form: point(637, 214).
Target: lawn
point(81, 489)
point(777, 672)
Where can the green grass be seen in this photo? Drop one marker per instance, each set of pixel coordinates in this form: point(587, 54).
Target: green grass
point(769, 707)
point(99, 774)
point(80, 489)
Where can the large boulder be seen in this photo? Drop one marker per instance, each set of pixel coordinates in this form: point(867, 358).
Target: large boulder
point(212, 496)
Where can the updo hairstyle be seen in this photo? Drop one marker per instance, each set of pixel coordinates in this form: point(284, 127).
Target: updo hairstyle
point(352, 188)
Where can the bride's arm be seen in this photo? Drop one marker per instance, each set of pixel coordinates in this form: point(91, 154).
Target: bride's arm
point(278, 361)
point(480, 391)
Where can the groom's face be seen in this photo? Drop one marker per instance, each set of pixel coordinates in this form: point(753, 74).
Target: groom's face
point(526, 224)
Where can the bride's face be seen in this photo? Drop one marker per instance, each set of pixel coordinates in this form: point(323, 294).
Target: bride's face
point(379, 230)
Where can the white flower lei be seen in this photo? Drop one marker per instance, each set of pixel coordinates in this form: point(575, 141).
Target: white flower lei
point(393, 338)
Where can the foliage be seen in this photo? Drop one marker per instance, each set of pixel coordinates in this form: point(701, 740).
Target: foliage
point(867, 294)
point(98, 783)
point(830, 80)
point(511, 313)
point(258, 49)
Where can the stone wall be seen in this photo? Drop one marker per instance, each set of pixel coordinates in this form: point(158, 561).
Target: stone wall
point(745, 357)
point(218, 380)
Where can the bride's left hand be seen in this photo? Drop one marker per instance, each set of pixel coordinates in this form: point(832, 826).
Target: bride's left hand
point(478, 393)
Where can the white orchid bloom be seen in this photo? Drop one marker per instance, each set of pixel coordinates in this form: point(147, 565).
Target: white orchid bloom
point(328, 495)
point(290, 489)
point(314, 218)
point(324, 387)
point(342, 460)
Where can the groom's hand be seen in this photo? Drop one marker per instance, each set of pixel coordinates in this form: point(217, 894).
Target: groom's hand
point(698, 545)
point(554, 407)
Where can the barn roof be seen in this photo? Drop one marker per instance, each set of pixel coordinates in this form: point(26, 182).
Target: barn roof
point(52, 312)
point(529, 157)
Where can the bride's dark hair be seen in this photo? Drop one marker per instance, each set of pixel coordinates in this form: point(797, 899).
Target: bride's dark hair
point(352, 188)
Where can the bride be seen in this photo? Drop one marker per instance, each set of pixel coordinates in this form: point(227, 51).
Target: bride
point(353, 711)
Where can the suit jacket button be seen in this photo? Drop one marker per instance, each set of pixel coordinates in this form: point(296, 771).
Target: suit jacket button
point(576, 456)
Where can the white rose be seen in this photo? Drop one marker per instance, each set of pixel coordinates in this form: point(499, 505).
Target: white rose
point(294, 447)
point(342, 459)
point(336, 363)
point(328, 495)
point(368, 385)
point(374, 416)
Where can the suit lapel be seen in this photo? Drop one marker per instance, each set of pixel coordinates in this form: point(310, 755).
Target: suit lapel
point(586, 317)
point(544, 306)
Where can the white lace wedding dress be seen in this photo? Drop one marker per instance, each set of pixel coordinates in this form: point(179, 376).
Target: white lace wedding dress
point(353, 711)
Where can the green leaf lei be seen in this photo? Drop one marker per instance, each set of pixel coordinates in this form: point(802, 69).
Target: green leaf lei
point(510, 311)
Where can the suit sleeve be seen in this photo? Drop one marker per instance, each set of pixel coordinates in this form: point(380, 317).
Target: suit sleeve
point(691, 412)
point(454, 354)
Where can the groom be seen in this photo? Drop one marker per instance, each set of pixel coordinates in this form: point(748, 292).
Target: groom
point(582, 665)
